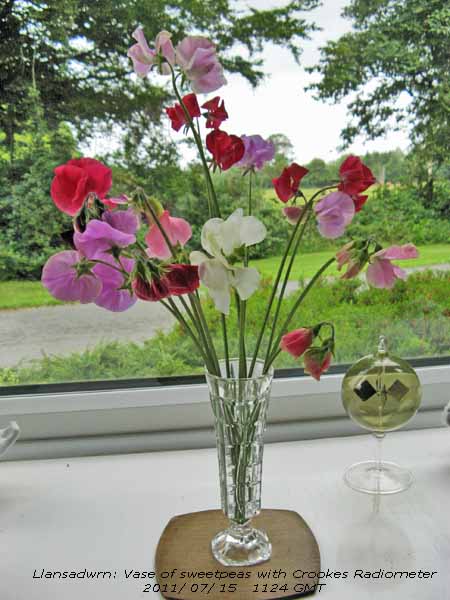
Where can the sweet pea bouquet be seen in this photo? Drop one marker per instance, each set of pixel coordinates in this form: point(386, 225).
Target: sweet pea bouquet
point(130, 247)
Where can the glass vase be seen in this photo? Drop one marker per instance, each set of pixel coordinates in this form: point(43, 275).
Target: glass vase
point(240, 408)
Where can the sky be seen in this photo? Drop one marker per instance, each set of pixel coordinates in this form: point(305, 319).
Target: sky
point(281, 105)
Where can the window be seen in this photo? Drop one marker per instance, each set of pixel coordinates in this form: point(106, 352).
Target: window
point(58, 354)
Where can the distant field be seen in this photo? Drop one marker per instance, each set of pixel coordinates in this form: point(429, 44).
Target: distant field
point(29, 294)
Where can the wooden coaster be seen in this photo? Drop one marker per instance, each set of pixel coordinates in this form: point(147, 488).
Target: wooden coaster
point(187, 570)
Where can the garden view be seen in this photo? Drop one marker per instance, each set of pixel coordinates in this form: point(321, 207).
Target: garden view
point(68, 90)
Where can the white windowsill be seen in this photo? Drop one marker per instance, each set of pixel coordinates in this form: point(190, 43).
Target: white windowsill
point(107, 513)
point(180, 417)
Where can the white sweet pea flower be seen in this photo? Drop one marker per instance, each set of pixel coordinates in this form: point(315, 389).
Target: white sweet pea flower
point(220, 238)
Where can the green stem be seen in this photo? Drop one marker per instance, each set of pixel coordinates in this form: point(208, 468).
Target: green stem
point(225, 344)
point(242, 357)
point(212, 197)
point(199, 320)
point(272, 297)
point(172, 308)
point(107, 264)
point(292, 312)
point(158, 224)
point(195, 318)
point(285, 281)
point(199, 312)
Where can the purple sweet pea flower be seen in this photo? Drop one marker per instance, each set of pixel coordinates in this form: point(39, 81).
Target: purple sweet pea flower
point(64, 277)
point(197, 57)
point(99, 237)
point(112, 297)
point(257, 152)
point(125, 221)
point(334, 213)
point(381, 273)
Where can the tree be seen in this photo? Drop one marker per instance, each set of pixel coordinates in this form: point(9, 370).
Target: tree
point(75, 54)
point(395, 65)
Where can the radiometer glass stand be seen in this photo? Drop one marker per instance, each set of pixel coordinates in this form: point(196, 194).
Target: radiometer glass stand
point(381, 393)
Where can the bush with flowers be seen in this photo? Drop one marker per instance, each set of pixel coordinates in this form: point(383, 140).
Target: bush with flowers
point(131, 247)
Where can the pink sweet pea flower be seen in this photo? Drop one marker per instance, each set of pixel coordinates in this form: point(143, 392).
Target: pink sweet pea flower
point(197, 57)
point(317, 361)
point(164, 46)
point(293, 214)
point(99, 237)
point(355, 261)
point(125, 221)
point(114, 202)
point(381, 273)
point(334, 213)
point(178, 231)
point(68, 278)
point(297, 342)
point(144, 58)
point(112, 297)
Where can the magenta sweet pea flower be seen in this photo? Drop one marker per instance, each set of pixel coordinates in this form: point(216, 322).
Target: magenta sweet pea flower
point(126, 221)
point(112, 297)
point(334, 213)
point(257, 152)
point(381, 273)
point(178, 231)
point(197, 57)
point(99, 237)
point(68, 277)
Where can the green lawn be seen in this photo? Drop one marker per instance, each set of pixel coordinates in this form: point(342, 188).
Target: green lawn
point(28, 294)
point(307, 264)
point(24, 294)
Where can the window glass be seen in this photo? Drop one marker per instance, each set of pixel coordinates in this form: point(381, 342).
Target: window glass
point(69, 91)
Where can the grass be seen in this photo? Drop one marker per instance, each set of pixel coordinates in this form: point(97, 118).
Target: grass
point(24, 294)
point(31, 294)
point(307, 264)
point(414, 316)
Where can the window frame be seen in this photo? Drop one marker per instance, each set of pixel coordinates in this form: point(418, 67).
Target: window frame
point(162, 414)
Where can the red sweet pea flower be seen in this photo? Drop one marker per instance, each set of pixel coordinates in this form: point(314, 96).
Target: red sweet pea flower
point(355, 176)
point(317, 361)
point(75, 180)
point(216, 113)
point(226, 149)
point(176, 113)
point(150, 291)
point(297, 342)
point(182, 279)
point(359, 201)
point(286, 185)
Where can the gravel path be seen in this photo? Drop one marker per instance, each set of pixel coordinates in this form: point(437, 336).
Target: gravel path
point(29, 333)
